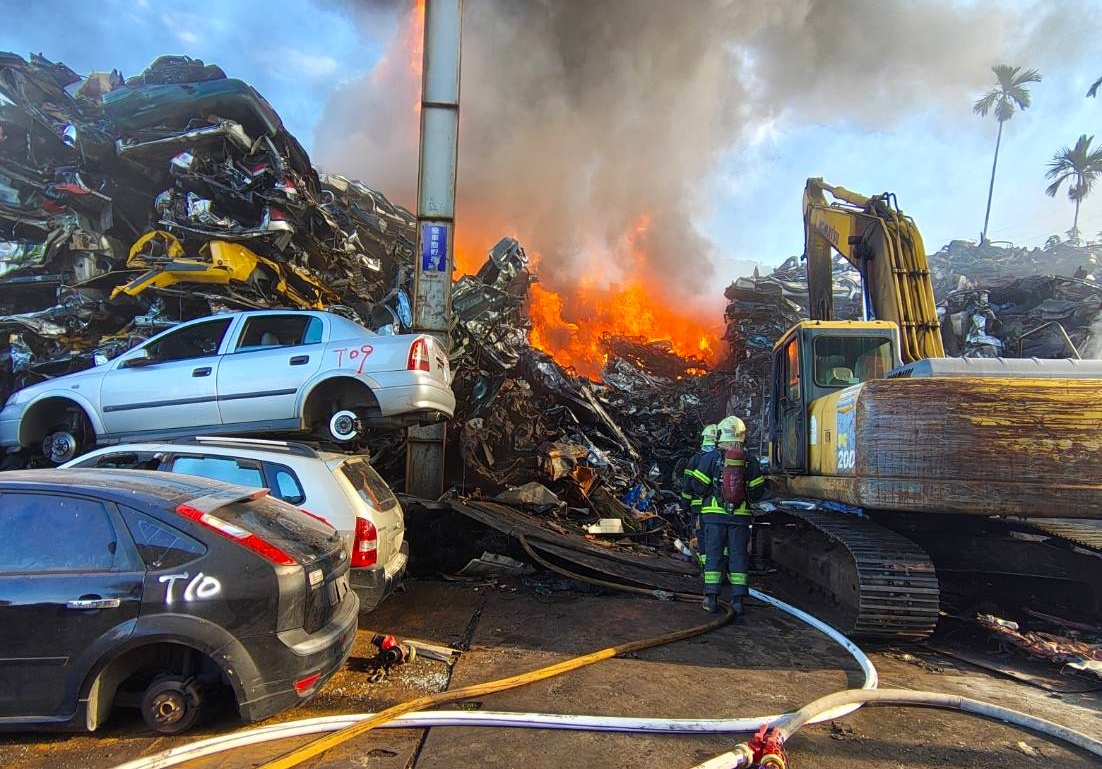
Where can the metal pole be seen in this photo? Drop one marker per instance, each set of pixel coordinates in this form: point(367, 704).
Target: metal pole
point(432, 286)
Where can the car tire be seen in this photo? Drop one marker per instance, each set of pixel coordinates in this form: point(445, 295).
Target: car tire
point(67, 441)
point(344, 426)
point(172, 704)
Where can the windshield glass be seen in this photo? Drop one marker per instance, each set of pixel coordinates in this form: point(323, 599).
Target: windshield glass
point(288, 528)
point(841, 361)
point(371, 488)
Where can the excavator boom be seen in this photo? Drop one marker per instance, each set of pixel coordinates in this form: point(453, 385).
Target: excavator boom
point(885, 247)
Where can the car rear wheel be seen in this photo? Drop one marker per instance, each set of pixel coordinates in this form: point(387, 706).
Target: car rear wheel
point(345, 426)
point(172, 704)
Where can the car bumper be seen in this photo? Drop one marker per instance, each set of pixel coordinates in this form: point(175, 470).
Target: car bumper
point(425, 395)
point(294, 655)
point(373, 584)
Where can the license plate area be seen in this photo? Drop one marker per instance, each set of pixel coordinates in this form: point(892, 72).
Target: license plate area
point(338, 589)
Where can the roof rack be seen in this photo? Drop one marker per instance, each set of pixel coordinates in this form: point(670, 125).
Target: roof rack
point(291, 447)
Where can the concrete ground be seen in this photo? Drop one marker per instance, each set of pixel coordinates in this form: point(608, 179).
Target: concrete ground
point(766, 663)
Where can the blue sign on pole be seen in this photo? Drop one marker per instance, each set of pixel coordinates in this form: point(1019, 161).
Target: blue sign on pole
point(434, 248)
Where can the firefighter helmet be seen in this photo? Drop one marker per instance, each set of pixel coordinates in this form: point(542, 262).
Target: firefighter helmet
point(732, 432)
point(708, 436)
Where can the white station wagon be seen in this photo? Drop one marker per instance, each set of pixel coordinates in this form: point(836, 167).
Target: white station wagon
point(257, 372)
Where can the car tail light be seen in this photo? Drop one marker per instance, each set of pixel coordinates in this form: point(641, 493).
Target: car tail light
point(365, 546)
point(304, 685)
point(418, 355)
point(246, 539)
point(316, 517)
point(277, 215)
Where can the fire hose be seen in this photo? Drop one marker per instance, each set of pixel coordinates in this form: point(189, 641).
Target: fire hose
point(766, 749)
point(768, 738)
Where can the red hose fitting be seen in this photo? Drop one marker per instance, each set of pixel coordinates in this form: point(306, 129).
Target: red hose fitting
point(392, 651)
point(767, 745)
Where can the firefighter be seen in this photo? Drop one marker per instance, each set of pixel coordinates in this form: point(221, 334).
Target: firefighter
point(697, 483)
point(736, 481)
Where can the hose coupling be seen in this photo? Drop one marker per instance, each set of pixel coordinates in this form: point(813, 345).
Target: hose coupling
point(392, 651)
point(767, 746)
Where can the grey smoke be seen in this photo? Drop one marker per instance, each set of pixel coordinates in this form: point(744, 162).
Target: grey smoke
point(578, 116)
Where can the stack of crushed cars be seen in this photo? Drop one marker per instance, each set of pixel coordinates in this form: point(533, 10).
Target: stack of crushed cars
point(1015, 302)
point(127, 205)
point(130, 204)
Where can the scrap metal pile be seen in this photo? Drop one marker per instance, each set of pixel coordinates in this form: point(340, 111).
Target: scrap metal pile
point(1008, 301)
point(561, 441)
point(130, 204)
point(1076, 647)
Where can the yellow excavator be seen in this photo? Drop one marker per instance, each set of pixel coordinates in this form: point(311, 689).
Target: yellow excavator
point(904, 472)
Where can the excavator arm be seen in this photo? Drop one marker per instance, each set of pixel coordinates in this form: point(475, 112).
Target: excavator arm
point(884, 245)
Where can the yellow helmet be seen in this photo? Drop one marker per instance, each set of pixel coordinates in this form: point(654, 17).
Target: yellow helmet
point(708, 436)
point(732, 432)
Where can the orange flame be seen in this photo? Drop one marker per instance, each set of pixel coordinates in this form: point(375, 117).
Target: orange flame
point(569, 328)
point(569, 324)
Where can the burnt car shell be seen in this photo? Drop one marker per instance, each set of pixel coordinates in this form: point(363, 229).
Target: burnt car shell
point(175, 105)
point(269, 622)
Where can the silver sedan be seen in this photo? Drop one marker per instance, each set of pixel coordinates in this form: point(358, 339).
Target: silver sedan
point(258, 372)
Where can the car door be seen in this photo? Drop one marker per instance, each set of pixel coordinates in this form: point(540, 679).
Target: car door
point(67, 578)
point(793, 412)
point(175, 388)
point(272, 359)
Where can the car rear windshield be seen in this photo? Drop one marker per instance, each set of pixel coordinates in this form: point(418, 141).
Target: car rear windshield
point(288, 528)
point(372, 489)
point(240, 472)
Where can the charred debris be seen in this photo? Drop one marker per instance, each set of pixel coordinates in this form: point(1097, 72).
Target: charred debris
point(130, 204)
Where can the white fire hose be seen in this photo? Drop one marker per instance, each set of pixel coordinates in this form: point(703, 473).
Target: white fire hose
point(825, 709)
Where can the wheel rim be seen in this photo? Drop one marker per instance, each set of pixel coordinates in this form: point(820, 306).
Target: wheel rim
point(168, 707)
point(344, 425)
point(60, 447)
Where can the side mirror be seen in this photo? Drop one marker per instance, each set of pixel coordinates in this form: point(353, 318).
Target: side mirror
point(137, 359)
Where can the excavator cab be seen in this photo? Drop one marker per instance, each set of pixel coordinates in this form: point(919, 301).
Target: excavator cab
point(818, 358)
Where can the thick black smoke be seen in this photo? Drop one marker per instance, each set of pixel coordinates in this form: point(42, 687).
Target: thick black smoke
point(579, 117)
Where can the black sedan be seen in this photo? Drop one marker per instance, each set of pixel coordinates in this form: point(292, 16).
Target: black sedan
point(165, 592)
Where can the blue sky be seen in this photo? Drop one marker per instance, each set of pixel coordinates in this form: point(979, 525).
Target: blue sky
point(292, 51)
point(937, 162)
point(936, 159)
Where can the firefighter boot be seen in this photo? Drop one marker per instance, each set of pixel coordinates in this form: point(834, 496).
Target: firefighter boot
point(736, 606)
point(709, 604)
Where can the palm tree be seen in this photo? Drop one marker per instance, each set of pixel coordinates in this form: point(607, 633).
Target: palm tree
point(1080, 167)
point(1008, 94)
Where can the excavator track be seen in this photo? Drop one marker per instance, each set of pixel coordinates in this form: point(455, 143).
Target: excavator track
point(879, 584)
